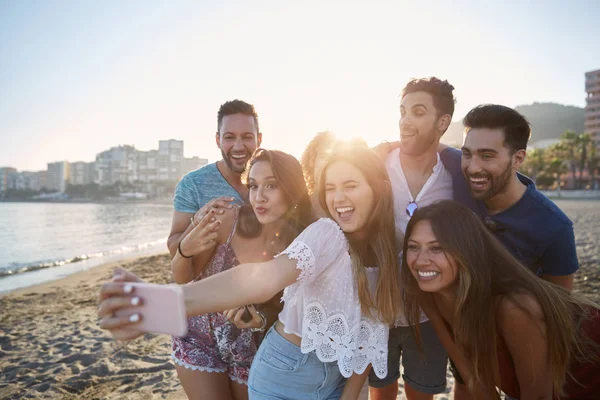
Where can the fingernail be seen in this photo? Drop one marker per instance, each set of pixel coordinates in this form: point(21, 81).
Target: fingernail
point(212, 211)
point(128, 288)
point(134, 318)
point(135, 301)
point(212, 220)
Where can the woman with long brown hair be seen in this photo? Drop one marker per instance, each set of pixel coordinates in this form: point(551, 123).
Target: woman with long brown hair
point(341, 289)
point(214, 358)
point(502, 326)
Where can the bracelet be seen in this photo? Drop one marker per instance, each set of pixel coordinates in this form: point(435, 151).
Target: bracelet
point(180, 253)
point(264, 323)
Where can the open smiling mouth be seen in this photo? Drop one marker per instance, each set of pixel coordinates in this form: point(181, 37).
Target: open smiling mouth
point(239, 157)
point(344, 213)
point(478, 183)
point(427, 275)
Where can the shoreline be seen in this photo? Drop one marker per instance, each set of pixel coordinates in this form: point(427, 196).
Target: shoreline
point(40, 275)
point(168, 201)
point(51, 345)
point(93, 273)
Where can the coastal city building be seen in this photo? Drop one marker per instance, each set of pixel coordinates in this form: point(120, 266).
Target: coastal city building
point(170, 154)
point(147, 166)
point(192, 164)
point(38, 180)
point(58, 176)
point(120, 164)
point(117, 164)
point(592, 108)
point(82, 173)
point(5, 178)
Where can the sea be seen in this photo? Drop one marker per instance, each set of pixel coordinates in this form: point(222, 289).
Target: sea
point(40, 242)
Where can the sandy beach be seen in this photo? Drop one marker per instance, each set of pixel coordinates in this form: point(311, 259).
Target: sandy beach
point(51, 346)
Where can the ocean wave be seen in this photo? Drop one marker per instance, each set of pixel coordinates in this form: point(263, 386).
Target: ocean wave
point(14, 269)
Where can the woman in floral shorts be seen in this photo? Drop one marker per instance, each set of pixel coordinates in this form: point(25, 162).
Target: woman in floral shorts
point(213, 360)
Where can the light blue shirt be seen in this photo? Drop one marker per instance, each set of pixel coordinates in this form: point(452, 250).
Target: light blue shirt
point(198, 187)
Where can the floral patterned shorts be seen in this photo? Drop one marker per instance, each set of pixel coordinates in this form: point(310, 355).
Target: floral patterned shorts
point(213, 344)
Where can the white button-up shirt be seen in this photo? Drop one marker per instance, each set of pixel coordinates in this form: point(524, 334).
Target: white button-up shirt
point(438, 187)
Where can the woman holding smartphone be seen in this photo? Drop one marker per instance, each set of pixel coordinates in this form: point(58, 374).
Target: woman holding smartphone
point(213, 360)
point(502, 326)
point(341, 290)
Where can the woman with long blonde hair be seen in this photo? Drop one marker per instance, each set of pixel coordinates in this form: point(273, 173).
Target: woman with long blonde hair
point(501, 325)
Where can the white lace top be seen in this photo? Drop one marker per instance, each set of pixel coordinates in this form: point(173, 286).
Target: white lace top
point(323, 308)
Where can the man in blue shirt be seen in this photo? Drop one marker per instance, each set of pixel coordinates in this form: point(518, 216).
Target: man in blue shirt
point(531, 226)
point(485, 178)
point(237, 137)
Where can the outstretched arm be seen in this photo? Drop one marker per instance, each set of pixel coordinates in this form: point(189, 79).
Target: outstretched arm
point(244, 284)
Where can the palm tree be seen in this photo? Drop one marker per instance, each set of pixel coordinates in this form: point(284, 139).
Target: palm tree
point(556, 161)
point(593, 162)
point(570, 139)
point(583, 148)
point(534, 164)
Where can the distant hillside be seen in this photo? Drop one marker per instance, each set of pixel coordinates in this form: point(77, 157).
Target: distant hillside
point(548, 121)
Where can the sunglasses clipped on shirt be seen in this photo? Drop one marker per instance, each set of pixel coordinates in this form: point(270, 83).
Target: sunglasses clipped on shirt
point(492, 225)
point(411, 208)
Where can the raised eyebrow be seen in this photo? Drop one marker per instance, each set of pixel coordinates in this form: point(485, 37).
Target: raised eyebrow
point(487, 151)
point(433, 241)
point(270, 177)
point(419, 105)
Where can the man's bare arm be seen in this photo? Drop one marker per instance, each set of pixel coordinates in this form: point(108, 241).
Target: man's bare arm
point(180, 227)
point(565, 281)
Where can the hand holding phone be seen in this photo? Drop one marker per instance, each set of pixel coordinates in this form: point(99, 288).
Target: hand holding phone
point(162, 309)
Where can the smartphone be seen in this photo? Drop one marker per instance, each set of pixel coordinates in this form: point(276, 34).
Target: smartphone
point(162, 309)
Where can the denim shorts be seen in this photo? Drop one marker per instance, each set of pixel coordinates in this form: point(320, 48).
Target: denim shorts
point(281, 371)
point(423, 370)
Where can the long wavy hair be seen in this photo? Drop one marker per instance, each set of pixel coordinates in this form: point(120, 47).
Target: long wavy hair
point(380, 232)
point(321, 144)
point(288, 173)
point(488, 272)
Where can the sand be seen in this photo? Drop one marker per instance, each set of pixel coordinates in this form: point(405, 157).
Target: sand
point(51, 346)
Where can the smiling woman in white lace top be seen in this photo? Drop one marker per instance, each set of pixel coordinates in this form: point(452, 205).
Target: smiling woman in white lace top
point(341, 289)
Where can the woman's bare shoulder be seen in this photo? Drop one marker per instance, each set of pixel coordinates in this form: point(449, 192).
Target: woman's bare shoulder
point(519, 311)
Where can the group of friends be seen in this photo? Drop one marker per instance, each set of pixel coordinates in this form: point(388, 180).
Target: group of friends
point(304, 279)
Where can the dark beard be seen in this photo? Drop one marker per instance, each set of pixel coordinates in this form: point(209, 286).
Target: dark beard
point(498, 185)
point(232, 168)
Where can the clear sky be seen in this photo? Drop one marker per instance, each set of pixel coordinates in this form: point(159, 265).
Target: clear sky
point(79, 77)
